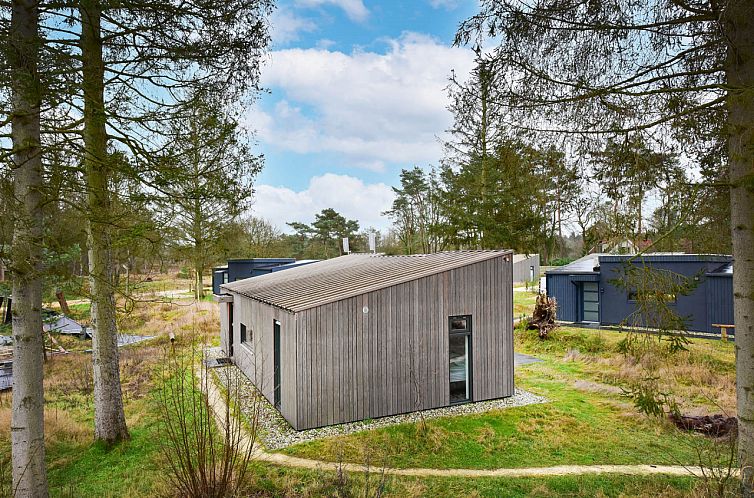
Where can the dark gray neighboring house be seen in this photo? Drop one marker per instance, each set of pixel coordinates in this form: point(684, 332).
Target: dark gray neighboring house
point(239, 269)
point(366, 336)
point(586, 289)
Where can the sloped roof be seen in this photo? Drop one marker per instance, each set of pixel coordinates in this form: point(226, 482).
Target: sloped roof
point(315, 284)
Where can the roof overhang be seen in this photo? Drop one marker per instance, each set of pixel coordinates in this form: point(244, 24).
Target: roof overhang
point(223, 298)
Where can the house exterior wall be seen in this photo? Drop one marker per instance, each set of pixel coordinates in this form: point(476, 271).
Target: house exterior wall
point(255, 356)
point(710, 302)
point(394, 358)
point(566, 290)
point(224, 327)
point(522, 268)
point(719, 301)
point(239, 269)
point(615, 306)
point(218, 278)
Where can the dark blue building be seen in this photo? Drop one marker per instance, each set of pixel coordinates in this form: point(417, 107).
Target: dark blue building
point(589, 290)
point(239, 269)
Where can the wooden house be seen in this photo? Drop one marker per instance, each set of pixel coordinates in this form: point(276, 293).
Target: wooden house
point(365, 336)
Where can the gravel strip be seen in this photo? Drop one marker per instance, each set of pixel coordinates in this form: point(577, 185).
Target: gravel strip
point(275, 432)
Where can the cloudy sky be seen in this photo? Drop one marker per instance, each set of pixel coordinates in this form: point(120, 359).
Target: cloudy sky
point(356, 92)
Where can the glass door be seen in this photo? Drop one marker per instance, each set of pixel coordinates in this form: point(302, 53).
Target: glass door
point(590, 302)
point(460, 359)
point(276, 362)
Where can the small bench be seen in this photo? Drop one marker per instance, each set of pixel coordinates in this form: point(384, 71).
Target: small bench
point(723, 330)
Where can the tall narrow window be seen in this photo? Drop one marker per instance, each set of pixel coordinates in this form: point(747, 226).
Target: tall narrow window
point(243, 333)
point(230, 329)
point(276, 362)
point(459, 348)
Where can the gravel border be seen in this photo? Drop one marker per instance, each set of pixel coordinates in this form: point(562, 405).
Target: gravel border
point(275, 433)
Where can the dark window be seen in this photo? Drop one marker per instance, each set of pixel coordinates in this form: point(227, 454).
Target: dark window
point(276, 362)
point(663, 297)
point(230, 328)
point(459, 323)
point(460, 359)
point(243, 333)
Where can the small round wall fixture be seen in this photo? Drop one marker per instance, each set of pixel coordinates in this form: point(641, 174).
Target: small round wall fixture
point(365, 309)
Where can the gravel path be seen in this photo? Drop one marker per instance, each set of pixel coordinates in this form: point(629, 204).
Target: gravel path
point(275, 432)
point(217, 403)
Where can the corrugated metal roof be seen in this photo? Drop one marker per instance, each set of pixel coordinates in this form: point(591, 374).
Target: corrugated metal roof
point(585, 264)
point(315, 284)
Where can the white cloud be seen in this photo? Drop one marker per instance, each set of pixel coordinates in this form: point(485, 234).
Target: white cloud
point(370, 107)
point(350, 196)
point(354, 9)
point(287, 26)
point(444, 4)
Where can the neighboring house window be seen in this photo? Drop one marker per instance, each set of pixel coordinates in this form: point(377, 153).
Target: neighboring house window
point(243, 333)
point(225, 278)
point(664, 297)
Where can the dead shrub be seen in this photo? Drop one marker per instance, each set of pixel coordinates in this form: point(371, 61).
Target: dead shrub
point(369, 483)
point(717, 466)
point(205, 459)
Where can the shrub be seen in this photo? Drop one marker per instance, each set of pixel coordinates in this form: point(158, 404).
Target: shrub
point(205, 459)
point(648, 398)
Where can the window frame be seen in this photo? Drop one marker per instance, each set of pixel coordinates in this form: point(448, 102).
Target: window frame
point(468, 333)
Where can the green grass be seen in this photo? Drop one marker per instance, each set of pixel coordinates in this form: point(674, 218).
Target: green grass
point(583, 424)
point(128, 469)
point(269, 480)
point(574, 428)
point(577, 427)
point(523, 303)
point(569, 486)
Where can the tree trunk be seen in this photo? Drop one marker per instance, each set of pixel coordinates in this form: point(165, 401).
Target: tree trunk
point(739, 28)
point(27, 416)
point(62, 301)
point(109, 419)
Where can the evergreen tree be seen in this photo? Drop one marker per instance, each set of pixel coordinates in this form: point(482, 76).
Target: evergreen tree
point(682, 69)
point(206, 177)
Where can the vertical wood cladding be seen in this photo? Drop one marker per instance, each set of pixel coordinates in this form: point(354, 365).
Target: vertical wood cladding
point(383, 352)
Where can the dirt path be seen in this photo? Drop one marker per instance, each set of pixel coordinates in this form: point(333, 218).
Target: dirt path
point(217, 403)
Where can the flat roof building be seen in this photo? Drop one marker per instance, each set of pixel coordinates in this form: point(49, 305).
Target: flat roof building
point(595, 288)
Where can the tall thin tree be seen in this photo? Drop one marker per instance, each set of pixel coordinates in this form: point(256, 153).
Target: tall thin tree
point(27, 419)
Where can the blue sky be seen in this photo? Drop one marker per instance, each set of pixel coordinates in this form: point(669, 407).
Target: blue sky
point(356, 92)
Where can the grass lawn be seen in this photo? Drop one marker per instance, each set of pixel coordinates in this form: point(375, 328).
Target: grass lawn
point(586, 422)
point(523, 303)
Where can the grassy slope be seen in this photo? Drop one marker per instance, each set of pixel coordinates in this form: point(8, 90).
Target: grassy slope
point(77, 467)
point(586, 422)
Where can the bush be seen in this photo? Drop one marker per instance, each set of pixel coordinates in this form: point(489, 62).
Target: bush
point(205, 459)
point(648, 398)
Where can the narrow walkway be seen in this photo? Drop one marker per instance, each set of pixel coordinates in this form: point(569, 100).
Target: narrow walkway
point(217, 403)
